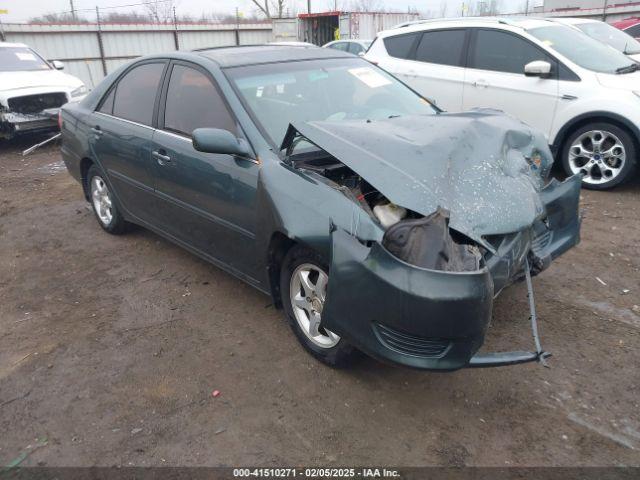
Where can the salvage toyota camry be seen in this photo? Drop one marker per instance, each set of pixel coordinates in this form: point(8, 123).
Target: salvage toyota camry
point(375, 221)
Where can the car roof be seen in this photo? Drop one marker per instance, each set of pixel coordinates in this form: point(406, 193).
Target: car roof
point(572, 20)
point(13, 45)
point(268, 53)
point(525, 23)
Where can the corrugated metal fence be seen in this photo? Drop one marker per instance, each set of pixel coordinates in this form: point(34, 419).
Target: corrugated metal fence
point(90, 51)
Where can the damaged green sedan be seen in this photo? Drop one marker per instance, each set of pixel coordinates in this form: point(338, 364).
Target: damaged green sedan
point(377, 222)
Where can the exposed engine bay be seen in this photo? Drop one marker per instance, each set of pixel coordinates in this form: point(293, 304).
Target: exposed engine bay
point(422, 241)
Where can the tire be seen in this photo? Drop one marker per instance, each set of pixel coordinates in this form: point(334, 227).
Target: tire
point(594, 150)
point(104, 207)
point(327, 347)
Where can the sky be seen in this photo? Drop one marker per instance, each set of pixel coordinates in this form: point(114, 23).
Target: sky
point(22, 10)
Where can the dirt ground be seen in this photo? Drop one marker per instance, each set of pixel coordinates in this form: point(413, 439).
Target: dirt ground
point(110, 348)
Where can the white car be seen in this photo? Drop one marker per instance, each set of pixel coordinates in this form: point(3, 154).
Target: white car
point(354, 46)
point(32, 90)
point(582, 94)
point(621, 41)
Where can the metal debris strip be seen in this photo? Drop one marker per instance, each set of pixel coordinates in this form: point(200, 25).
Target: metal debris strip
point(542, 355)
point(38, 145)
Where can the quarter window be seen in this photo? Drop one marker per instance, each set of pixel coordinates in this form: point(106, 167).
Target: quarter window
point(342, 46)
point(107, 104)
point(194, 102)
point(443, 47)
point(503, 52)
point(136, 93)
point(634, 31)
point(401, 45)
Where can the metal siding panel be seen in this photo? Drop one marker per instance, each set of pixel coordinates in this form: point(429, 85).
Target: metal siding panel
point(59, 45)
point(121, 44)
point(254, 37)
point(206, 38)
point(89, 71)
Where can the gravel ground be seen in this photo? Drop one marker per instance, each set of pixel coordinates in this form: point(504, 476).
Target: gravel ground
point(110, 348)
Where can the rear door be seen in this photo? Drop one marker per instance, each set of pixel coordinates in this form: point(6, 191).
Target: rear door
point(495, 78)
point(207, 200)
point(121, 137)
point(434, 65)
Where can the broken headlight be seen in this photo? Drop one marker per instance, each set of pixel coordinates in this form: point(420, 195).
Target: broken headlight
point(78, 92)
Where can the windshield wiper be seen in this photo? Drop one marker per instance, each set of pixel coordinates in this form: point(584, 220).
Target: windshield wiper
point(628, 69)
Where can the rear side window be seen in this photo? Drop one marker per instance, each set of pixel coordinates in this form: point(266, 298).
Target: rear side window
point(342, 46)
point(194, 102)
point(443, 47)
point(355, 48)
point(504, 52)
point(401, 45)
point(136, 93)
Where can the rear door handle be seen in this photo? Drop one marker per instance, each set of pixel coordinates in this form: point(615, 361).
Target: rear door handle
point(161, 158)
point(481, 84)
point(97, 131)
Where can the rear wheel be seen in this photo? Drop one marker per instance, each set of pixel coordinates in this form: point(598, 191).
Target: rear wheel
point(303, 283)
point(603, 153)
point(104, 207)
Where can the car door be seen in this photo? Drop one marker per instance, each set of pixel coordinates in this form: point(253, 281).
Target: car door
point(495, 78)
point(207, 200)
point(121, 137)
point(434, 66)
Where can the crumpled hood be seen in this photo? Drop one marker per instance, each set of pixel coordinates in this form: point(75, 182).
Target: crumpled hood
point(472, 164)
point(13, 84)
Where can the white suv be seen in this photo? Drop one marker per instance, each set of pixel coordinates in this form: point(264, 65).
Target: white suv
point(583, 95)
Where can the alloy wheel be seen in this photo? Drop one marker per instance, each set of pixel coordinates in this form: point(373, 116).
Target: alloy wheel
point(101, 198)
point(307, 294)
point(597, 154)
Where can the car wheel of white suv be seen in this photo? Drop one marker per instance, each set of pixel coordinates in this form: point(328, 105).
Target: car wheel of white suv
point(603, 153)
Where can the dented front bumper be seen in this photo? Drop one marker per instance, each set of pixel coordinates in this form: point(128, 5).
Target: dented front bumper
point(437, 320)
point(13, 123)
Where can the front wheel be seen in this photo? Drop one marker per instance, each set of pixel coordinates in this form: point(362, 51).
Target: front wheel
point(603, 153)
point(303, 283)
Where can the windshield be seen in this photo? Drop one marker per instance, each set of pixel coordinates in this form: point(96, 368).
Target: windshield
point(610, 35)
point(337, 89)
point(20, 59)
point(581, 49)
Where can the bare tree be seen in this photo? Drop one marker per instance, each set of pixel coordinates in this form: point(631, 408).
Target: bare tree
point(160, 11)
point(58, 18)
point(444, 6)
point(367, 6)
point(267, 6)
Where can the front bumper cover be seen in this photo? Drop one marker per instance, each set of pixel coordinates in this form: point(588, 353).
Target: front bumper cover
point(12, 123)
point(436, 320)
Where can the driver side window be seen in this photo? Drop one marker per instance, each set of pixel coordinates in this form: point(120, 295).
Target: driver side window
point(193, 102)
point(504, 52)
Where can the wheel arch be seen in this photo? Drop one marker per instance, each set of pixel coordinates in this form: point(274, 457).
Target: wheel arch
point(85, 165)
point(594, 117)
point(279, 246)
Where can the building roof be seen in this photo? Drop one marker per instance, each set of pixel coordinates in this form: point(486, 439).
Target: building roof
point(269, 53)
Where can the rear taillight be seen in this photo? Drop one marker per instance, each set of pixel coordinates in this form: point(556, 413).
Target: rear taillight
point(60, 119)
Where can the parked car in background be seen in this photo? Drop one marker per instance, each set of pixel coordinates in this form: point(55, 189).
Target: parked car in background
point(32, 90)
point(355, 46)
point(605, 33)
point(582, 94)
point(630, 26)
point(377, 222)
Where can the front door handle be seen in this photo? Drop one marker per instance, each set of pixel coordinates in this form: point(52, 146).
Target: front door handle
point(161, 158)
point(481, 84)
point(97, 131)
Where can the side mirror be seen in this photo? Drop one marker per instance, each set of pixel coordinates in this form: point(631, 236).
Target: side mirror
point(216, 140)
point(361, 54)
point(58, 65)
point(539, 68)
